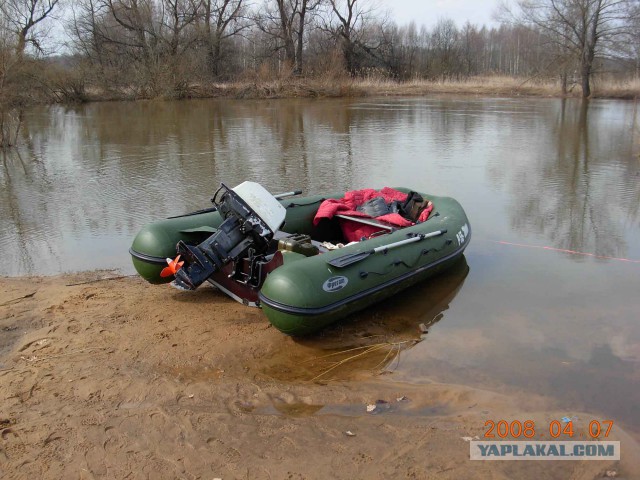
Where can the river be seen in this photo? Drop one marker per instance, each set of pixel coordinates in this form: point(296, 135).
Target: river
point(547, 302)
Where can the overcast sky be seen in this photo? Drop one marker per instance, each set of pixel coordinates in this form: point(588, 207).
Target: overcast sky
point(427, 12)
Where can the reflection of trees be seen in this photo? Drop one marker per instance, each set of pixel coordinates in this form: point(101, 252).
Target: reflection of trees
point(12, 230)
point(19, 234)
point(576, 191)
point(93, 174)
point(635, 166)
point(100, 171)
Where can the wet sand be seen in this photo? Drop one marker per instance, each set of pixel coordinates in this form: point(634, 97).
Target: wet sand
point(120, 379)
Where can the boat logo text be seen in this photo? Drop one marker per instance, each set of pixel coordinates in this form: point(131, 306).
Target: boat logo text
point(462, 234)
point(334, 284)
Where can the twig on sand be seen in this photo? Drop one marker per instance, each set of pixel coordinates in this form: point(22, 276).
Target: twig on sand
point(28, 295)
point(100, 280)
point(397, 346)
point(370, 349)
point(66, 354)
point(32, 360)
point(342, 352)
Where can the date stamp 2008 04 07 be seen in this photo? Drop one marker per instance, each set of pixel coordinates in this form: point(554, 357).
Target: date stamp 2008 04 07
point(553, 430)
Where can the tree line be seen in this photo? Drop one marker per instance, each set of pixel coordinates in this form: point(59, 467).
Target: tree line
point(152, 44)
point(155, 48)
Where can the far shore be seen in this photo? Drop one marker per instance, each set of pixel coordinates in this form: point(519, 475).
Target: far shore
point(347, 87)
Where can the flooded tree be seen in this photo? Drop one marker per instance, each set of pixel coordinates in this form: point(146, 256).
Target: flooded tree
point(21, 76)
point(11, 102)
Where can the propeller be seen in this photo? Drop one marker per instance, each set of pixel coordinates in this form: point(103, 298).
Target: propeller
point(172, 267)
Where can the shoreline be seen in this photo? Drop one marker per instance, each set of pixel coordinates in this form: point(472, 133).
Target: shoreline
point(356, 88)
point(118, 377)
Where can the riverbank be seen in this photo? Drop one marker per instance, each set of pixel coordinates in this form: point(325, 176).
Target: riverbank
point(116, 378)
point(346, 87)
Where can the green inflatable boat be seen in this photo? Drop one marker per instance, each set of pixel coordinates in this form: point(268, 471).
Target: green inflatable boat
point(307, 262)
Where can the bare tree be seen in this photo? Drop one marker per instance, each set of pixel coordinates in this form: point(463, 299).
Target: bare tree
point(176, 18)
point(633, 46)
point(444, 40)
point(222, 19)
point(286, 21)
point(411, 47)
point(109, 55)
point(306, 6)
point(11, 107)
point(391, 54)
point(139, 42)
point(84, 26)
point(133, 27)
point(468, 45)
point(350, 24)
point(22, 77)
point(24, 16)
point(177, 36)
point(583, 28)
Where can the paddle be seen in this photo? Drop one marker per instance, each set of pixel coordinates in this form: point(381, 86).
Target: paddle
point(213, 209)
point(352, 258)
point(368, 221)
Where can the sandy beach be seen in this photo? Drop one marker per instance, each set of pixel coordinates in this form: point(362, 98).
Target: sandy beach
point(119, 379)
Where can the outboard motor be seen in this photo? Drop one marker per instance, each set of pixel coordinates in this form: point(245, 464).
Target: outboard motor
point(252, 216)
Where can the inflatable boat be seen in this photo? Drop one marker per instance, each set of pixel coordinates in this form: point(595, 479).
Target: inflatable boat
point(310, 261)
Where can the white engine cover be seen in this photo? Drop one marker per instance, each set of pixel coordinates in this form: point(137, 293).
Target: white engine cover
point(263, 203)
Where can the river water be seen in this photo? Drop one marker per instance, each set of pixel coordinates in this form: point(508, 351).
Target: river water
point(548, 301)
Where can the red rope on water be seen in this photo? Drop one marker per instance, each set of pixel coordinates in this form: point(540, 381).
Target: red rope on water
point(572, 252)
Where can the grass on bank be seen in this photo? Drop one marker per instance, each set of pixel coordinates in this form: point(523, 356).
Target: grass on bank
point(293, 87)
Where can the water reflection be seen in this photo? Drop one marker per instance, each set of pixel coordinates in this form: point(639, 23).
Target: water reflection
point(374, 339)
point(603, 379)
point(87, 177)
point(90, 176)
point(543, 325)
point(531, 171)
point(580, 187)
point(12, 162)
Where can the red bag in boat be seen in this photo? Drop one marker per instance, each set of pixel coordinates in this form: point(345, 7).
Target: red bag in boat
point(354, 231)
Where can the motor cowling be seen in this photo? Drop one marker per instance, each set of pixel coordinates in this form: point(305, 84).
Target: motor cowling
point(252, 215)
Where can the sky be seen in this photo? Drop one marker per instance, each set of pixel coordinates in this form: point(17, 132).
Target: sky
point(428, 12)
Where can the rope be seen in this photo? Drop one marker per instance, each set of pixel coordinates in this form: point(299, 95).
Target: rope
point(563, 250)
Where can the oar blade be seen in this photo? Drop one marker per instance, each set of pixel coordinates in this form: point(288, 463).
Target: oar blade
point(349, 259)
